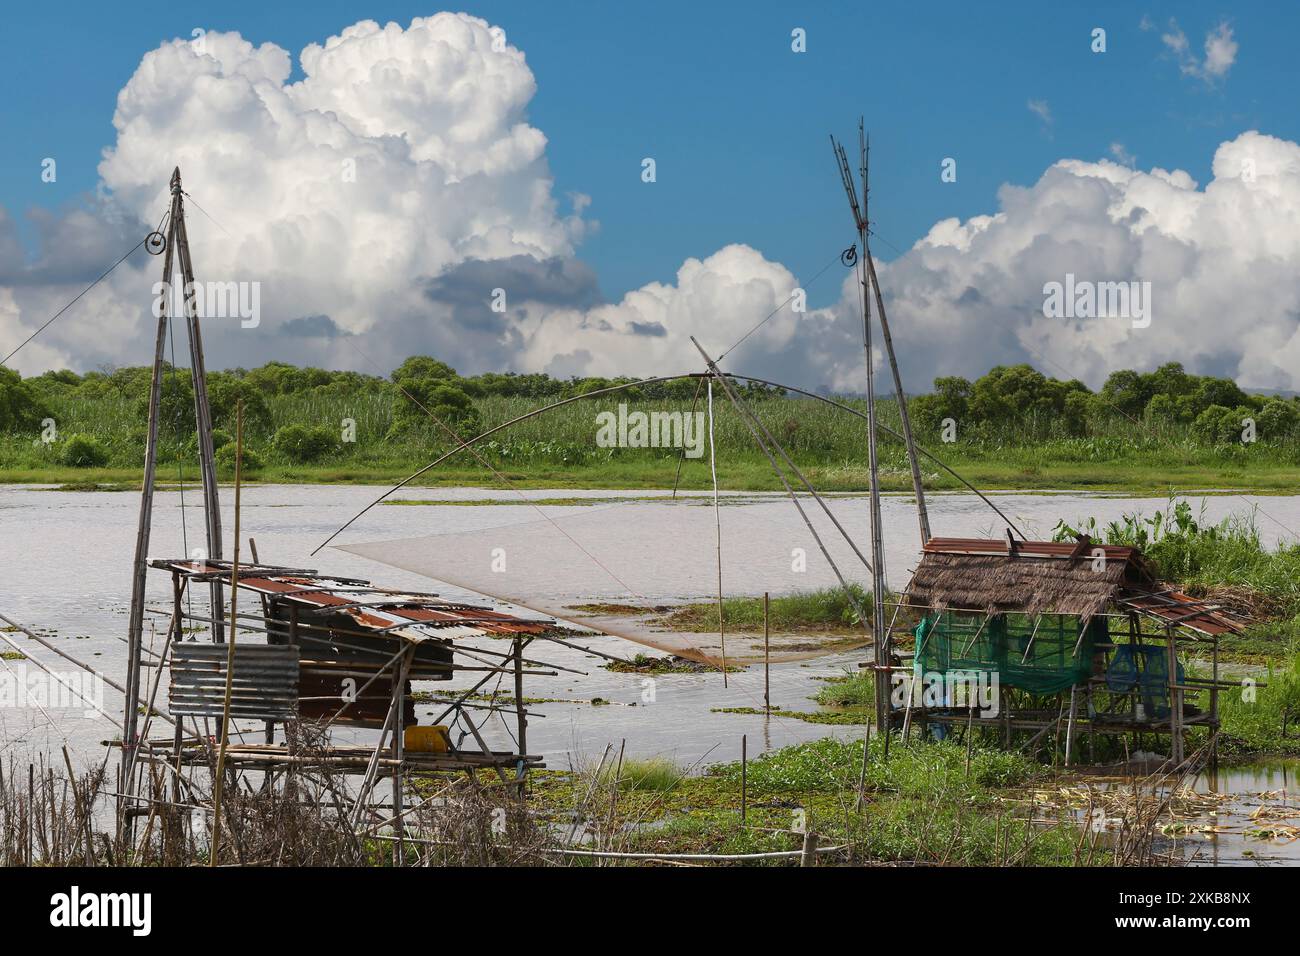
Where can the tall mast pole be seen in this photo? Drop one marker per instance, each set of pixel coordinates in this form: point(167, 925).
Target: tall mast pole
point(202, 413)
point(880, 638)
point(922, 513)
point(139, 567)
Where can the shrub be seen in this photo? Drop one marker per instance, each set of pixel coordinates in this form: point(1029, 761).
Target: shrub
point(225, 456)
point(225, 392)
point(448, 403)
point(1278, 420)
point(83, 451)
point(1218, 425)
point(302, 445)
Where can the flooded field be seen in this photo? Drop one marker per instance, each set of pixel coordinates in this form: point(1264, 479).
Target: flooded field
point(67, 559)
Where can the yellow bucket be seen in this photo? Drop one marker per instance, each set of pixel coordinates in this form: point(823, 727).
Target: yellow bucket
point(427, 740)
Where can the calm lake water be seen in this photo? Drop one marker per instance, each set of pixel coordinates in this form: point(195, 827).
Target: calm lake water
point(66, 560)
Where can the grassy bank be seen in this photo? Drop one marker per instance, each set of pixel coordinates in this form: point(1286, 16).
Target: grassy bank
point(923, 805)
point(560, 450)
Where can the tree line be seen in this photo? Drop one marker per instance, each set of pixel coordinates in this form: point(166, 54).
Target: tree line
point(1008, 401)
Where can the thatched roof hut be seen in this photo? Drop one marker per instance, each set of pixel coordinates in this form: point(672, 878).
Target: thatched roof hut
point(1083, 579)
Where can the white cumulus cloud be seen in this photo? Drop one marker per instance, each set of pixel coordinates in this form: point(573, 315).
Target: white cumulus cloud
point(400, 155)
point(452, 198)
point(1221, 261)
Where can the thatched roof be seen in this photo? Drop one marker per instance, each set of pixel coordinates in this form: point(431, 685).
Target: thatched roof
point(1051, 577)
point(1028, 585)
point(1038, 577)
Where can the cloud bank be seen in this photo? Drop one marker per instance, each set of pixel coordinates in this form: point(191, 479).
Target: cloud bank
point(384, 198)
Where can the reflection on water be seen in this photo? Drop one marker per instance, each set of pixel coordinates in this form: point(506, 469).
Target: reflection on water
point(1259, 794)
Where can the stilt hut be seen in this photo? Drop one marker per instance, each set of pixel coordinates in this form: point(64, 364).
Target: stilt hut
point(1076, 637)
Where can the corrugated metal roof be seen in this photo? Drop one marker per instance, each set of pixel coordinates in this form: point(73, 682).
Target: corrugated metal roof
point(264, 685)
point(410, 616)
point(1037, 549)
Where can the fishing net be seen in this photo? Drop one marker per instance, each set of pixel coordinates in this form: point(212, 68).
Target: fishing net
point(593, 565)
point(1002, 646)
point(1143, 668)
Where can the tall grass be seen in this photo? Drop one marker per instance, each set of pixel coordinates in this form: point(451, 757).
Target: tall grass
point(1203, 556)
point(824, 608)
point(817, 436)
point(1264, 716)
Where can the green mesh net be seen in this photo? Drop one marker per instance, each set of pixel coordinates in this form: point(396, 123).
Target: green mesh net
point(965, 643)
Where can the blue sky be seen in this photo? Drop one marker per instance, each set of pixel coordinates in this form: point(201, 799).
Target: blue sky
point(736, 122)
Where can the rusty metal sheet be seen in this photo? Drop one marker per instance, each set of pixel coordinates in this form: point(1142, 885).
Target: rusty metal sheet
point(264, 685)
point(1175, 607)
point(332, 696)
point(409, 616)
point(1039, 549)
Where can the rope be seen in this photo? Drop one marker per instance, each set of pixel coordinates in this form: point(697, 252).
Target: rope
point(819, 274)
point(74, 301)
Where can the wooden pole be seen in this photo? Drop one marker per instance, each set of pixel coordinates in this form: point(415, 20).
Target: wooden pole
point(744, 779)
point(1175, 699)
point(880, 639)
point(1214, 707)
point(767, 656)
point(862, 772)
point(266, 613)
point(809, 857)
point(139, 568)
point(219, 784)
point(717, 519)
point(922, 513)
point(399, 755)
point(1069, 727)
point(521, 716)
point(177, 613)
point(202, 412)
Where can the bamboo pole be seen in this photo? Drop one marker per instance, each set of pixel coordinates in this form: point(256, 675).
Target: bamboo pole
point(139, 565)
point(1175, 699)
point(717, 519)
point(202, 411)
point(1069, 727)
point(922, 513)
point(746, 415)
point(399, 754)
point(880, 640)
point(767, 655)
point(521, 715)
point(744, 779)
point(219, 784)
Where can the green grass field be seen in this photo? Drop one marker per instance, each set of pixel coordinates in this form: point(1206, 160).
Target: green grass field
point(559, 450)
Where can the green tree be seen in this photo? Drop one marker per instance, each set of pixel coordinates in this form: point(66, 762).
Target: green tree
point(420, 367)
point(1127, 392)
point(21, 408)
point(1218, 425)
point(225, 392)
point(1278, 420)
point(950, 399)
point(427, 399)
point(1018, 396)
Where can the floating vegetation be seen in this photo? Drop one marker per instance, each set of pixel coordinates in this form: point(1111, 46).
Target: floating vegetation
point(645, 664)
point(810, 717)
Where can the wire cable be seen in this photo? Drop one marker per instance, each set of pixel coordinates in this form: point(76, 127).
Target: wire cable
point(102, 277)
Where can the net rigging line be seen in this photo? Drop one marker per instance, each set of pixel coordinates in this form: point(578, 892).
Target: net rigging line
point(74, 301)
point(763, 321)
